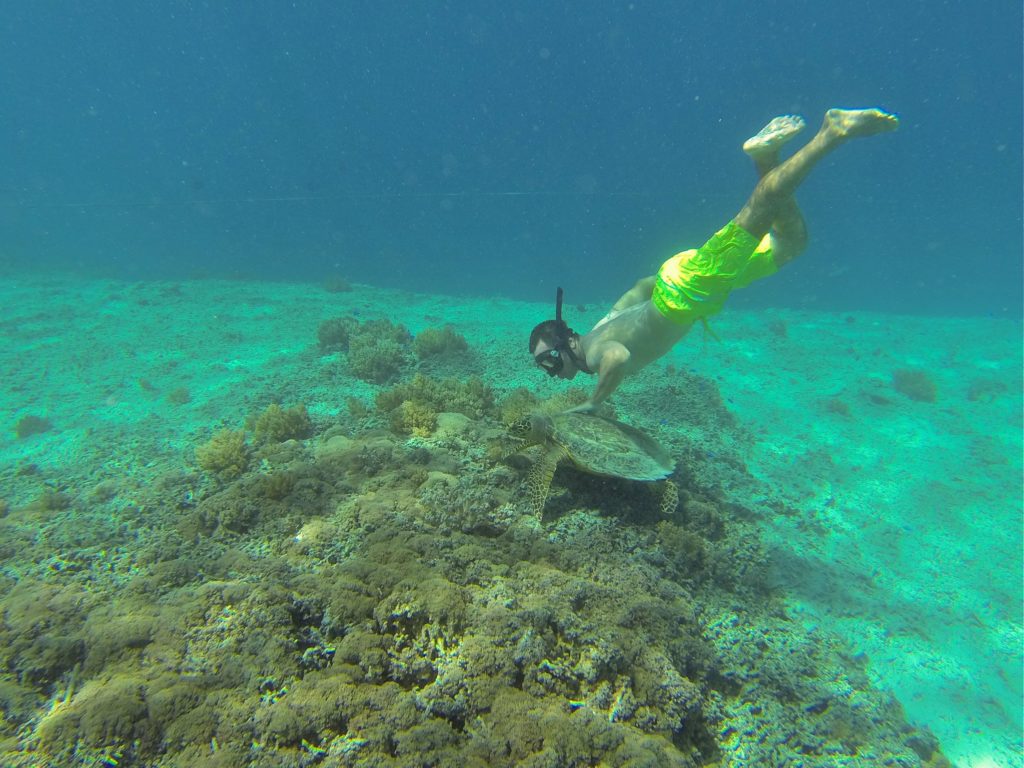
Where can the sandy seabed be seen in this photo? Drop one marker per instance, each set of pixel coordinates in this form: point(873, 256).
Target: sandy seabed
point(841, 584)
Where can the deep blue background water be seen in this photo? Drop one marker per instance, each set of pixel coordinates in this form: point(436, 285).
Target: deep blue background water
point(501, 148)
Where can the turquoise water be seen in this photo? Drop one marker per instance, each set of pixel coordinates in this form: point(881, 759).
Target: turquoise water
point(467, 148)
point(258, 507)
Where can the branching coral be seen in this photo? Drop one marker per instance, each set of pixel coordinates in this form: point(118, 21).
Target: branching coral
point(434, 342)
point(225, 454)
point(415, 417)
point(378, 350)
point(413, 407)
point(276, 424)
point(378, 361)
point(333, 334)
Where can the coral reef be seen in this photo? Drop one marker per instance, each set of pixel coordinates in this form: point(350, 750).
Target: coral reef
point(337, 284)
point(986, 390)
point(379, 361)
point(381, 352)
point(412, 408)
point(276, 424)
point(915, 384)
point(378, 351)
point(225, 455)
point(179, 396)
point(364, 599)
point(333, 334)
point(836, 406)
point(30, 425)
point(438, 342)
point(50, 500)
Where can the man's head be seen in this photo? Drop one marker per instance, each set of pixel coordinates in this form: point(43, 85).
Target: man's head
point(554, 345)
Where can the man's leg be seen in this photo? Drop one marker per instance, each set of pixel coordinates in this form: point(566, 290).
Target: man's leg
point(788, 231)
point(774, 193)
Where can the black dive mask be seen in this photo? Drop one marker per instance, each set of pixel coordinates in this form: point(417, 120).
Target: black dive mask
point(551, 360)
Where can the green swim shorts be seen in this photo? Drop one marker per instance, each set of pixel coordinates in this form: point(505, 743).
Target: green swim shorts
point(695, 284)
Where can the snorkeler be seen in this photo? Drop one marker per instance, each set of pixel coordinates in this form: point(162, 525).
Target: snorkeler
point(659, 310)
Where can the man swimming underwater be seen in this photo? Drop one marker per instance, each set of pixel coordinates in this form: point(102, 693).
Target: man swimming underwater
point(658, 311)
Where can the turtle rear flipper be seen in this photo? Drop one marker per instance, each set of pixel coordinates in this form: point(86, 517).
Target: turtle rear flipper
point(539, 479)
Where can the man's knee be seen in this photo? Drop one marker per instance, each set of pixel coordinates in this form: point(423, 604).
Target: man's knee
point(754, 219)
point(783, 256)
point(786, 248)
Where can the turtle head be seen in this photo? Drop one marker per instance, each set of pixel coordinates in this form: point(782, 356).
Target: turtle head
point(531, 429)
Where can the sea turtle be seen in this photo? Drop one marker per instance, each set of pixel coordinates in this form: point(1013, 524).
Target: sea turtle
point(596, 445)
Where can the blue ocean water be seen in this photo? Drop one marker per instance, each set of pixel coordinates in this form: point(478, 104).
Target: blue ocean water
point(476, 153)
point(489, 148)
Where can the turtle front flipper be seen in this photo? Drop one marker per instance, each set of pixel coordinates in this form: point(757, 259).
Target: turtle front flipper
point(539, 479)
point(669, 498)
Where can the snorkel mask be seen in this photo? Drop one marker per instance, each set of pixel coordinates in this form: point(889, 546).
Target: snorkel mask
point(553, 360)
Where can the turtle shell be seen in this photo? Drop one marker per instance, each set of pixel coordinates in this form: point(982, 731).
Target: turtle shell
point(605, 447)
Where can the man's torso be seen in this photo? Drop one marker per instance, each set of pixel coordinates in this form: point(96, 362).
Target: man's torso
point(641, 329)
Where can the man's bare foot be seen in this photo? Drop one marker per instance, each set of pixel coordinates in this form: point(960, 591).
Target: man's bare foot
point(765, 145)
point(856, 123)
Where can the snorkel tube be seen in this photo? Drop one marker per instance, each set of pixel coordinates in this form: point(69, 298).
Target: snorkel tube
point(565, 334)
point(562, 330)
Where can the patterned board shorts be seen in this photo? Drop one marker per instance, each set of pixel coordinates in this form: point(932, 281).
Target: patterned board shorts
point(695, 284)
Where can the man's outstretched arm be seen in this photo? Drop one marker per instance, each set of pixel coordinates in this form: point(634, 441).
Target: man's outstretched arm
point(610, 372)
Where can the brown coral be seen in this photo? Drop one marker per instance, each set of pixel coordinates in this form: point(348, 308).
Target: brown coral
point(276, 424)
point(915, 384)
point(225, 455)
point(414, 417)
point(471, 398)
point(436, 342)
point(31, 425)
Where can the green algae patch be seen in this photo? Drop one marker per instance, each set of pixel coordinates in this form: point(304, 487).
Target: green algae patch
point(41, 631)
point(103, 712)
point(111, 633)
